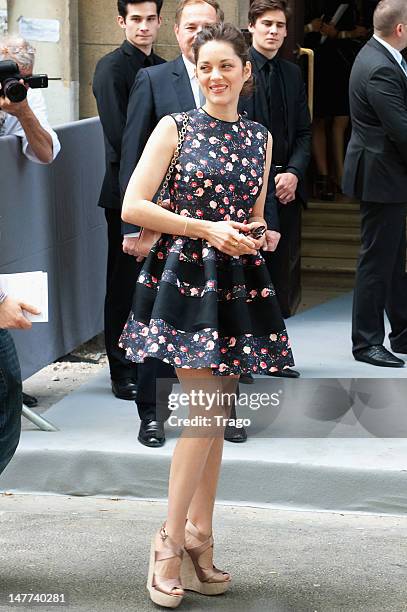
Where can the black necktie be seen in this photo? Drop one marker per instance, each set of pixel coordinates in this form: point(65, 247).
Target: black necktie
point(268, 69)
point(149, 61)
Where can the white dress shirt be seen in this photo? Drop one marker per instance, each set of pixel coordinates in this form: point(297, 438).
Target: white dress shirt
point(194, 81)
point(12, 126)
point(395, 53)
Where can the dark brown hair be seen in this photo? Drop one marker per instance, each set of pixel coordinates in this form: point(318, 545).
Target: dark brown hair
point(183, 3)
point(259, 7)
point(388, 14)
point(228, 33)
point(122, 5)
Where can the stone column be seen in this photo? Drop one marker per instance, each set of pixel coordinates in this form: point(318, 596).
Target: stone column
point(57, 59)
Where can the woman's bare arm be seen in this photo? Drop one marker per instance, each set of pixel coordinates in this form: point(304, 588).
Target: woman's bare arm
point(258, 209)
point(139, 209)
point(138, 205)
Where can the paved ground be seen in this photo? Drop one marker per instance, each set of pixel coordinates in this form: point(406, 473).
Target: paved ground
point(94, 551)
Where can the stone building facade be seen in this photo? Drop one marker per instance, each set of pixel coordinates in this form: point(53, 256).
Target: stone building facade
point(88, 30)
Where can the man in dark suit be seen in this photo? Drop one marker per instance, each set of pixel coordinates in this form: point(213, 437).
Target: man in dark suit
point(376, 173)
point(279, 103)
point(166, 89)
point(157, 92)
point(113, 80)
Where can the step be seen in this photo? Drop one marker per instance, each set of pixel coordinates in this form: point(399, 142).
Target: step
point(312, 218)
point(350, 235)
point(352, 207)
point(323, 281)
point(319, 272)
point(329, 249)
point(330, 242)
point(328, 264)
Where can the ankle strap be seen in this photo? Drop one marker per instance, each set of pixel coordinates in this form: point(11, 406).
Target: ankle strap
point(194, 531)
point(172, 549)
point(206, 542)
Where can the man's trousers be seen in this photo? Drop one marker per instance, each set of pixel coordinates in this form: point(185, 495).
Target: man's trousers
point(381, 280)
point(284, 264)
point(10, 399)
point(121, 277)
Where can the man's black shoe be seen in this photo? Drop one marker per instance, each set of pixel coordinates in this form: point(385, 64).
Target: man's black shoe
point(246, 379)
point(151, 433)
point(125, 388)
point(377, 355)
point(235, 434)
point(29, 400)
point(286, 373)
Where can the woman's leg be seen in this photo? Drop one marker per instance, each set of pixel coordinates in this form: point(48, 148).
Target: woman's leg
point(194, 468)
point(319, 146)
point(339, 127)
point(200, 510)
point(196, 461)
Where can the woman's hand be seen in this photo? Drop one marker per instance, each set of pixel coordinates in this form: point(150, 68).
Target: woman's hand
point(225, 236)
point(316, 25)
point(252, 226)
point(359, 32)
point(328, 29)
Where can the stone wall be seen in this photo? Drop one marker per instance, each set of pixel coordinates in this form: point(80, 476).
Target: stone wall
point(57, 59)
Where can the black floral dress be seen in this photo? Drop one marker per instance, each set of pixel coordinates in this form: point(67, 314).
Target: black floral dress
point(195, 307)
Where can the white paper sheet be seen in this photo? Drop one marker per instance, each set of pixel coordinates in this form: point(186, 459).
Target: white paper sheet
point(43, 30)
point(29, 287)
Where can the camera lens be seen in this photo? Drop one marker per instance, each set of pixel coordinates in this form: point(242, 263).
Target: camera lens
point(14, 90)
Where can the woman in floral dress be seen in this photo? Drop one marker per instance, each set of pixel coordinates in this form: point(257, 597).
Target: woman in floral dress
point(204, 302)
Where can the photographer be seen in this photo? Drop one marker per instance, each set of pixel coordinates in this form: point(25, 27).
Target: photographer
point(11, 316)
point(26, 119)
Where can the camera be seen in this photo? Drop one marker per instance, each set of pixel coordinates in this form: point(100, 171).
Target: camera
point(10, 82)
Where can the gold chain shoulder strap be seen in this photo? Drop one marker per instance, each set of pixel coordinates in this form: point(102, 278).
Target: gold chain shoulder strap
point(175, 157)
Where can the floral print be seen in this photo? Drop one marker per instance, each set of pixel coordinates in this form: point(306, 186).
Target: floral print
point(195, 307)
point(206, 349)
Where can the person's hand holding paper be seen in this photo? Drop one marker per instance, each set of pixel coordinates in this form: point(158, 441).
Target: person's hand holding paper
point(28, 288)
point(12, 315)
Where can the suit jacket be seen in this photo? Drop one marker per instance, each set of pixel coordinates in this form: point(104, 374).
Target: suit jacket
point(297, 116)
point(376, 158)
point(157, 91)
point(112, 82)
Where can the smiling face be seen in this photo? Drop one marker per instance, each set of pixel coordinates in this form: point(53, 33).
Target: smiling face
point(141, 25)
point(269, 33)
point(221, 73)
point(194, 17)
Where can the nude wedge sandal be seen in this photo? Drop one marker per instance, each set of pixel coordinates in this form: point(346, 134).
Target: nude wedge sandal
point(194, 577)
point(160, 587)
